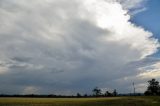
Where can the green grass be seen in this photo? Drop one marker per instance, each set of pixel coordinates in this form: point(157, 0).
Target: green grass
point(110, 101)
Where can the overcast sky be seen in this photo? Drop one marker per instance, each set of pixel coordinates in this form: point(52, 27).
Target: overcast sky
point(70, 46)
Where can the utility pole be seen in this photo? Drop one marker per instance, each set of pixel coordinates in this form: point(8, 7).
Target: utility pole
point(134, 89)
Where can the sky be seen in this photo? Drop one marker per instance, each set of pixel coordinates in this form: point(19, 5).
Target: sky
point(65, 47)
point(149, 19)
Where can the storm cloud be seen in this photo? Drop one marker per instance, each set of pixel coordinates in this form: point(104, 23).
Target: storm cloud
point(64, 47)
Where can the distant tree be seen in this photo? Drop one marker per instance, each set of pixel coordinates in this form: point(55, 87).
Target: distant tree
point(107, 93)
point(115, 92)
point(78, 95)
point(153, 87)
point(85, 95)
point(96, 91)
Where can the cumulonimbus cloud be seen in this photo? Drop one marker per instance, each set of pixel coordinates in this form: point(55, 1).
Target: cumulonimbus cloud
point(70, 46)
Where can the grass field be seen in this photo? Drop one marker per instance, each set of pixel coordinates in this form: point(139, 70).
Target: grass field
point(110, 101)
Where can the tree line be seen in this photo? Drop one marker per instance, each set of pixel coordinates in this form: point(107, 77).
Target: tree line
point(153, 89)
point(97, 92)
